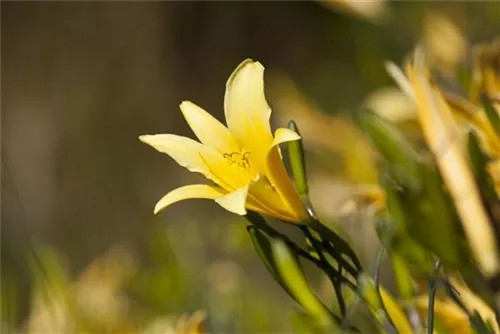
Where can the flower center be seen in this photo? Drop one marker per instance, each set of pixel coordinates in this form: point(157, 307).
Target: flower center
point(238, 158)
point(241, 162)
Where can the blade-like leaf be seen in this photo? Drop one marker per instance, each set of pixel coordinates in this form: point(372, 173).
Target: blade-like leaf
point(263, 248)
point(294, 279)
point(491, 113)
point(479, 161)
point(402, 276)
point(297, 162)
point(404, 245)
point(339, 244)
point(383, 306)
point(393, 146)
point(435, 222)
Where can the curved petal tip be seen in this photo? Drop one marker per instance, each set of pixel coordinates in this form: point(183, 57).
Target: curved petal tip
point(186, 192)
point(283, 135)
point(235, 201)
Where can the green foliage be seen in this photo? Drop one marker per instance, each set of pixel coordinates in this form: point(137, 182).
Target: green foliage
point(9, 303)
point(402, 160)
point(491, 113)
point(419, 225)
point(293, 277)
point(297, 162)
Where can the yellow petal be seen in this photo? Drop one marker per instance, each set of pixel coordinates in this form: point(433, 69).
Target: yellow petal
point(234, 201)
point(247, 112)
point(264, 199)
point(283, 135)
point(278, 176)
point(186, 192)
point(185, 151)
point(208, 129)
point(400, 78)
point(395, 312)
point(188, 153)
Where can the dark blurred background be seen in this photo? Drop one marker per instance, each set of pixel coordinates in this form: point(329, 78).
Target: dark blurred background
point(82, 80)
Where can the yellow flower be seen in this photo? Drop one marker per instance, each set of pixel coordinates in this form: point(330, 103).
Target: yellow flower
point(242, 159)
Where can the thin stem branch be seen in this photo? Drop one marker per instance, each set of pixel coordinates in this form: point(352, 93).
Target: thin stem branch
point(335, 245)
point(477, 323)
point(376, 281)
point(334, 279)
point(262, 225)
point(432, 298)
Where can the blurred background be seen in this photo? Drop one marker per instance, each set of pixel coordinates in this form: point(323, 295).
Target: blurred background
point(81, 81)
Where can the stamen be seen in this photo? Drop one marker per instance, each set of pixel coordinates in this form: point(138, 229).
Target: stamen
point(241, 159)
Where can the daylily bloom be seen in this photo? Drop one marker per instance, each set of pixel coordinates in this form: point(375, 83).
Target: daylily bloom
point(242, 159)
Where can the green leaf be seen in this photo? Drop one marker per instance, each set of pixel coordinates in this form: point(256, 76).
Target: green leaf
point(401, 157)
point(293, 277)
point(464, 77)
point(402, 276)
point(371, 296)
point(258, 221)
point(395, 205)
point(47, 261)
point(487, 192)
point(9, 300)
point(491, 113)
point(435, 223)
point(369, 291)
point(263, 248)
point(479, 162)
point(297, 161)
point(404, 245)
point(427, 215)
point(302, 323)
point(479, 325)
point(338, 243)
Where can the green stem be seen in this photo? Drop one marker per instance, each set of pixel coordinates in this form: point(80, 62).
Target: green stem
point(259, 222)
point(333, 278)
point(432, 298)
point(334, 244)
point(376, 281)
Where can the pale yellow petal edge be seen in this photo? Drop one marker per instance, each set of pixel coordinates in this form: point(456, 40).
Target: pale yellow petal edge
point(235, 201)
point(187, 192)
point(278, 176)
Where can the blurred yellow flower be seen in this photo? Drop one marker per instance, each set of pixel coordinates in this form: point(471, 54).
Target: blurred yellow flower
point(445, 44)
point(242, 159)
point(375, 11)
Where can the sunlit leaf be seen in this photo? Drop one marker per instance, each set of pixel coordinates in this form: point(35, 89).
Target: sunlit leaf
point(402, 159)
point(293, 277)
point(297, 162)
